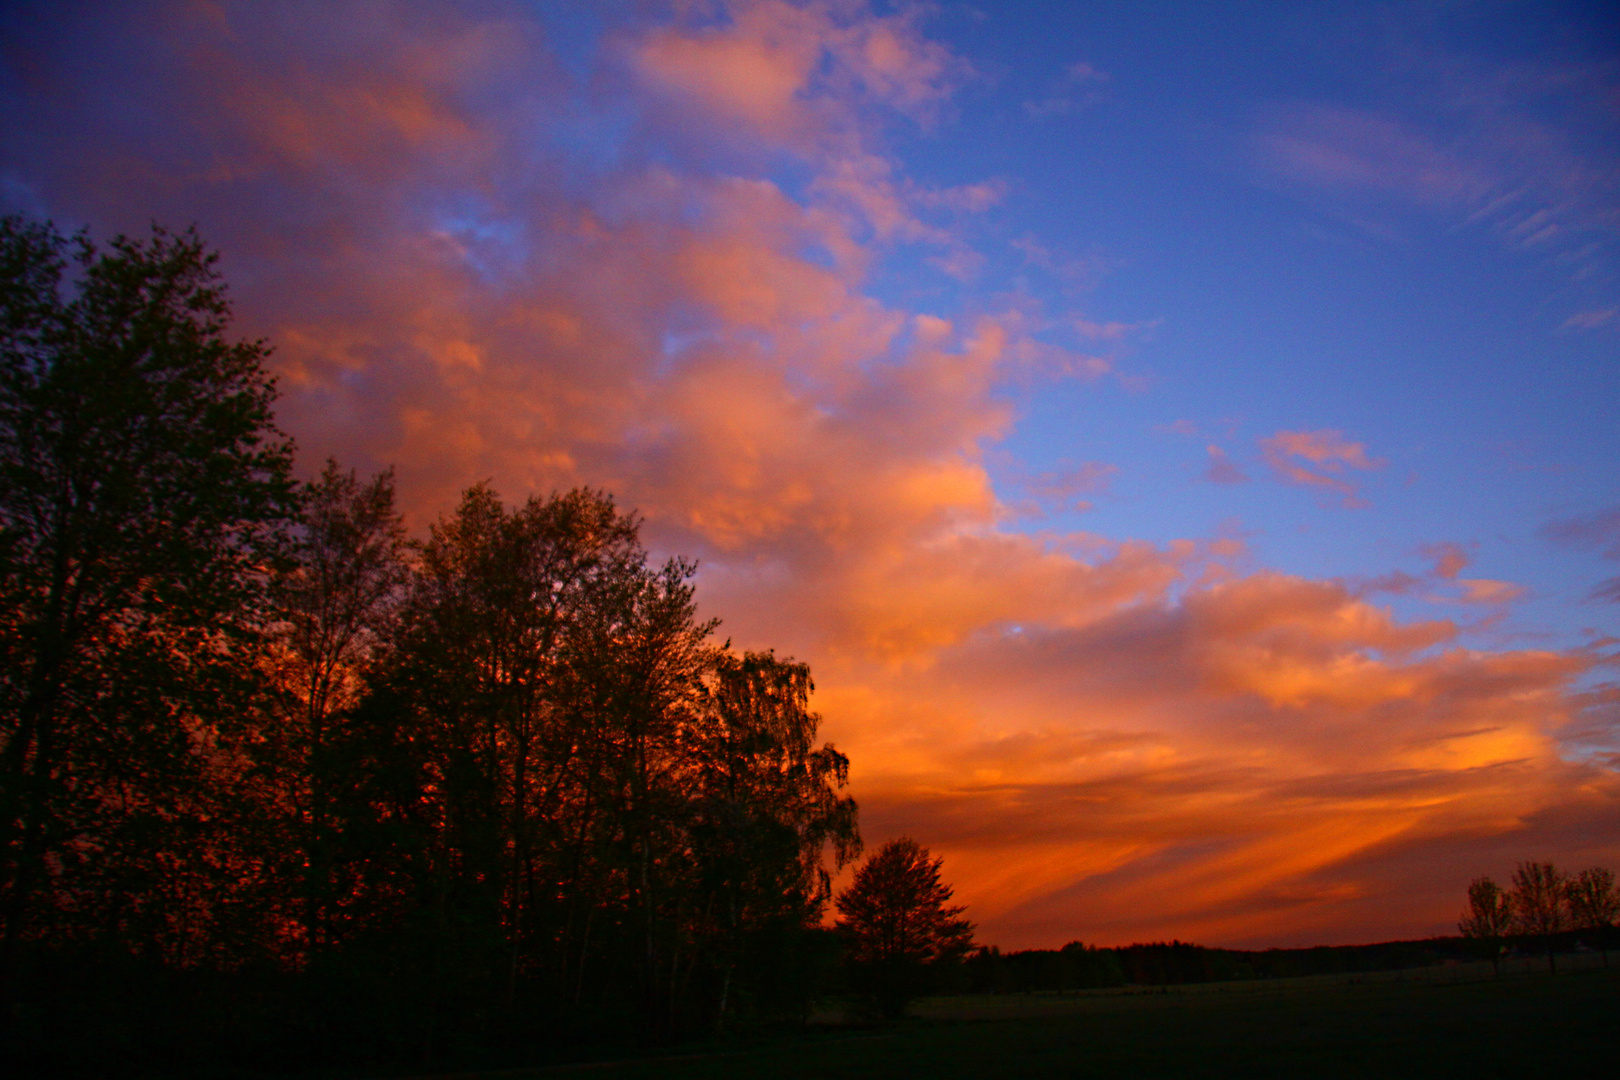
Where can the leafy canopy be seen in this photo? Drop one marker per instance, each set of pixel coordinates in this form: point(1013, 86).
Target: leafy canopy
point(898, 910)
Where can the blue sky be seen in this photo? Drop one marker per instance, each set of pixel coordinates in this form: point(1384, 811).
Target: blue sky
point(1386, 288)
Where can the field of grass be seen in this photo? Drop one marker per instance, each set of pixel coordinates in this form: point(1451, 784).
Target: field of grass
point(1432, 1023)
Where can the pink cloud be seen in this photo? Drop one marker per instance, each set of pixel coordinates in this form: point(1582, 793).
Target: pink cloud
point(1350, 148)
point(1486, 591)
point(798, 74)
point(1108, 331)
point(1590, 320)
point(1075, 90)
point(967, 198)
point(1222, 470)
point(1449, 559)
point(1080, 273)
point(1318, 459)
point(1062, 489)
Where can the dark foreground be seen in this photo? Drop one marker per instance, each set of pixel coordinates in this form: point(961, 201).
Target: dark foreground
point(1520, 1025)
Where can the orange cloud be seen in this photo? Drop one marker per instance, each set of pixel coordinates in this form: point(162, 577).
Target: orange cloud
point(1486, 591)
point(1263, 761)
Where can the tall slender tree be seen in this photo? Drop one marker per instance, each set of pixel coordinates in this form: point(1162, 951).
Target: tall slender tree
point(335, 604)
point(767, 811)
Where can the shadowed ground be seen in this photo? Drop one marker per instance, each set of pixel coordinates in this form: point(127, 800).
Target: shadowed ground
point(1427, 1024)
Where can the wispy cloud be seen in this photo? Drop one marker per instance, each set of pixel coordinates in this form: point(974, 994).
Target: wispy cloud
point(1319, 459)
point(1222, 469)
point(1524, 153)
point(1598, 531)
point(1590, 320)
point(1488, 591)
point(1062, 489)
point(1079, 87)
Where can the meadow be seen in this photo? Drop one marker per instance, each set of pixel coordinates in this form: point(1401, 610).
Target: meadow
point(1449, 1021)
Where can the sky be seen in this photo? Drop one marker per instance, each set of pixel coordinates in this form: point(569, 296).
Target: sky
point(1181, 437)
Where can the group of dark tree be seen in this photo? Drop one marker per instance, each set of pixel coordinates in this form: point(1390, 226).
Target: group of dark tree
point(276, 778)
point(1541, 906)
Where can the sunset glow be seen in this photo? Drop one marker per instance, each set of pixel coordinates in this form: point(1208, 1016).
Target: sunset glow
point(1182, 441)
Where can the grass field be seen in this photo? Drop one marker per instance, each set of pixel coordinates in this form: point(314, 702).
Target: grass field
point(1457, 1022)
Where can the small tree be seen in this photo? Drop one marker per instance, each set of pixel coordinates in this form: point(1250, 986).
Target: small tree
point(1489, 917)
point(1594, 904)
point(1538, 897)
point(897, 921)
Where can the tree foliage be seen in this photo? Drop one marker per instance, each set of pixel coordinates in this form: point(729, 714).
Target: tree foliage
point(1539, 902)
point(896, 919)
point(1543, 906)
point(142, 489)
point(1489, 916)
point(1594, 904)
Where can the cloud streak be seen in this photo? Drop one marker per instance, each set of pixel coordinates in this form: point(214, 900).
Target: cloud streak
point(1523, 152)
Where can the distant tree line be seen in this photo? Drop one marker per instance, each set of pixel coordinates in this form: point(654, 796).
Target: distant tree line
point(277, 780)
point(1077, 966)
point(1543, 910)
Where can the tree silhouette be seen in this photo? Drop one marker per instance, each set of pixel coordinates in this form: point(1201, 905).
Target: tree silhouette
point(1539, 895)
point(1594, 904)
point(1489, 917)
point(142, 485)
point(768, 807)
point(896, 919)
point(266, 764)
point(334, 608)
